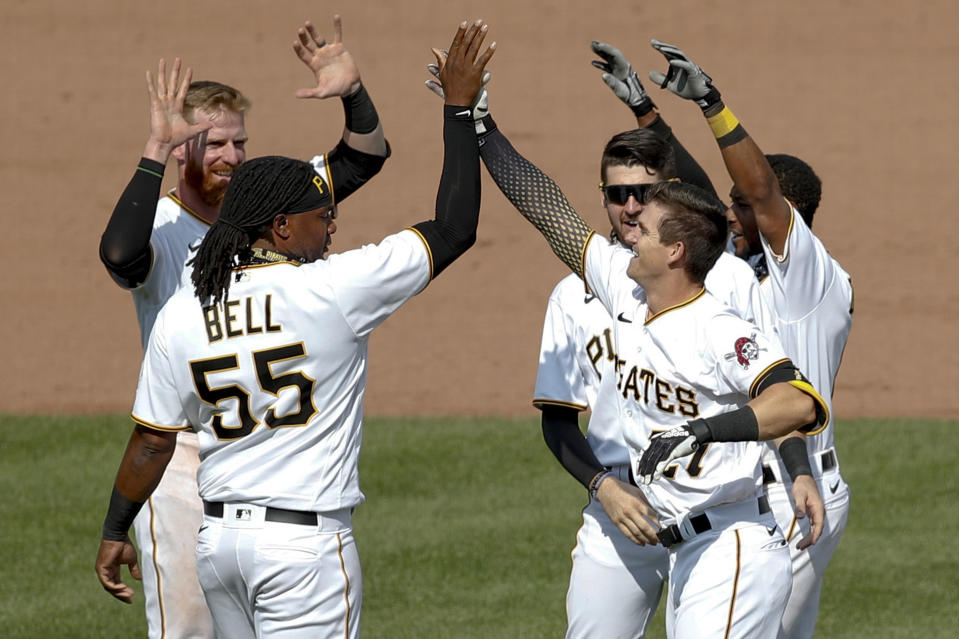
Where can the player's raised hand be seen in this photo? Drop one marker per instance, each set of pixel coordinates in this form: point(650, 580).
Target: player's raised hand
point(809, 503)
point(110, 558)
point(332, 65)
point(168, 127)
point(618, 74)
point(663, 449)
point(628, 508)
point(480, 106)
point(461, 70)
point(684, 77)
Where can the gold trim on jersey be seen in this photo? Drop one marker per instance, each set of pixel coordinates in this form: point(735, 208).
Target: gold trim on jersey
point(732, 599)
point(762, 376)
point(429, 252)
point(539, 403)
point(582, 260)
point(179, 202)
point(329, 178)
point(822, 409)
point(692, 299)
point(152, 426)
point(789, 232)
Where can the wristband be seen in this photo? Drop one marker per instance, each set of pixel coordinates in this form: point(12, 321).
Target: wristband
point(735, 426)
point(644, 107)
point(120, 516)
point(795, 457)
point(361, 115)
point(597, 480)
point(726, 127)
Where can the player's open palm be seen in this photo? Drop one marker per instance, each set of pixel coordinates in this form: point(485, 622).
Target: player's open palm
point(462, 69)
point(111, 558)
point(168, 127)
point(332, 65)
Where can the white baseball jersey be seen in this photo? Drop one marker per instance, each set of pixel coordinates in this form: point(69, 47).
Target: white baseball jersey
point(578, 345)
point(697, 359)
point(812, 301)
point(273, 381)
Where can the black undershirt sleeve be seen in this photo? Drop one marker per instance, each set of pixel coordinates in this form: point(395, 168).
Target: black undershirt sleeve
point(453, 230)
point(125, 244)
point(687, 168)
point(351, 168)
point(566, 441)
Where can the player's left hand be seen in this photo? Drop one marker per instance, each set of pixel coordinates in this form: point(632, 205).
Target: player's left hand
point(809, 503)
point(111, 556)
point(333, 66)
point(480, 105)
point(462, 67)
point(663, 449)
point(684, 77)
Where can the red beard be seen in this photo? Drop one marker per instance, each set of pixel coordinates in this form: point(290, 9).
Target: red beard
point(210, 187)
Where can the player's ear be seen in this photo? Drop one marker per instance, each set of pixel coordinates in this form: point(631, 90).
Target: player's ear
point(179, 152)
point(676, 256)
point(281, 226)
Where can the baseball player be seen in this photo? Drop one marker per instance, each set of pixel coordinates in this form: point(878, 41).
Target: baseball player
point(265, 358)
point(690, 376)
point(811, 297)
point(149, 239)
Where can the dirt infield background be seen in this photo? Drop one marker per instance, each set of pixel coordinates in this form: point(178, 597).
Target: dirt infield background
point(864, 90)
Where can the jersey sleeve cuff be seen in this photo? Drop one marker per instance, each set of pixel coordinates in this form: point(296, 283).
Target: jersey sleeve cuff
point(162, 428)
point(540, 403)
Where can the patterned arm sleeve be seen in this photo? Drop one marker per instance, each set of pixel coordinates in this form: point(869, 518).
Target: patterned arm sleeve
point(536, 197)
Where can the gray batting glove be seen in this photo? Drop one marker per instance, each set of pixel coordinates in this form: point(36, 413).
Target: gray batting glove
point(618, 74)
point(480, 106)
point(684, 77)
point(663, 449)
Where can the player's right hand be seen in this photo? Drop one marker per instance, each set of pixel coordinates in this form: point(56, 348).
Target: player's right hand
point(480, 104)
point(663, 449)
point(618, 74)
point(628, 508)
point(110, 558)
point(168, 127)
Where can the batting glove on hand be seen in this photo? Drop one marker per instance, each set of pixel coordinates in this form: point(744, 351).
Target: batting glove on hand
point(684, 77)
point(618, 74)
point(480, 106)
point(666, 447)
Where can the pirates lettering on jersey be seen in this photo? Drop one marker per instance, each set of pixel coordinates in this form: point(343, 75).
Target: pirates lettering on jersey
point(643, 385)
point(234, 318)
point(597, 347)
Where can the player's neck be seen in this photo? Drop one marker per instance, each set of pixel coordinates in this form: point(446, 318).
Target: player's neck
point(195, 204)
point(673, 290)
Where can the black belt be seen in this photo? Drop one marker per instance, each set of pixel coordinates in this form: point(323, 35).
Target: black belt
point(769, 477)
point(671, 536)
point(279, 515)
point(828, 460)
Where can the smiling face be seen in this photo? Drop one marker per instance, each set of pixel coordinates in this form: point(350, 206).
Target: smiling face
point(209, 175)
point(651, 256)
point(623, 217)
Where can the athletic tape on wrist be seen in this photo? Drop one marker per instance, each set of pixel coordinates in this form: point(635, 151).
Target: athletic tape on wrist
point(726, 127)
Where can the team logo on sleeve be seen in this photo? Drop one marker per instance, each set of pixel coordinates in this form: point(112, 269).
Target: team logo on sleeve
point(745, 350)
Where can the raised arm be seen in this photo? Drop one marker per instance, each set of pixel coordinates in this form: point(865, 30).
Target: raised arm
point(755, 184)
point(623, 81)
point(363, 149)
point(125, 244)
point(453, 229)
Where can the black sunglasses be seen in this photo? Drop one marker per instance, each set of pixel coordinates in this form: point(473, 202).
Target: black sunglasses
point(619, 193)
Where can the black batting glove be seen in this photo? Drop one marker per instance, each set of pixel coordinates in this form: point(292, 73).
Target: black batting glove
point(668, 446)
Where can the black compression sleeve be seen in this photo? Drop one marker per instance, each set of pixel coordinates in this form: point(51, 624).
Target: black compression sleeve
point(687, 168)
point(795, 457)
point(360, 113)
point(536, 197)
point(125, 244)
point(453, 230)
point(566, 441)
point(120, 516)
point(351, 169)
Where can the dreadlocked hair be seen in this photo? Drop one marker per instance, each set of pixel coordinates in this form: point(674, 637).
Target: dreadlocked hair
point(261, 189)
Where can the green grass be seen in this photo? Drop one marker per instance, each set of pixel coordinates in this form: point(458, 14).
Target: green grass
point(468, 529)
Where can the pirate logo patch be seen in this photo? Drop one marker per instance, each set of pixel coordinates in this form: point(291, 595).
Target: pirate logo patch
point(746, 350)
